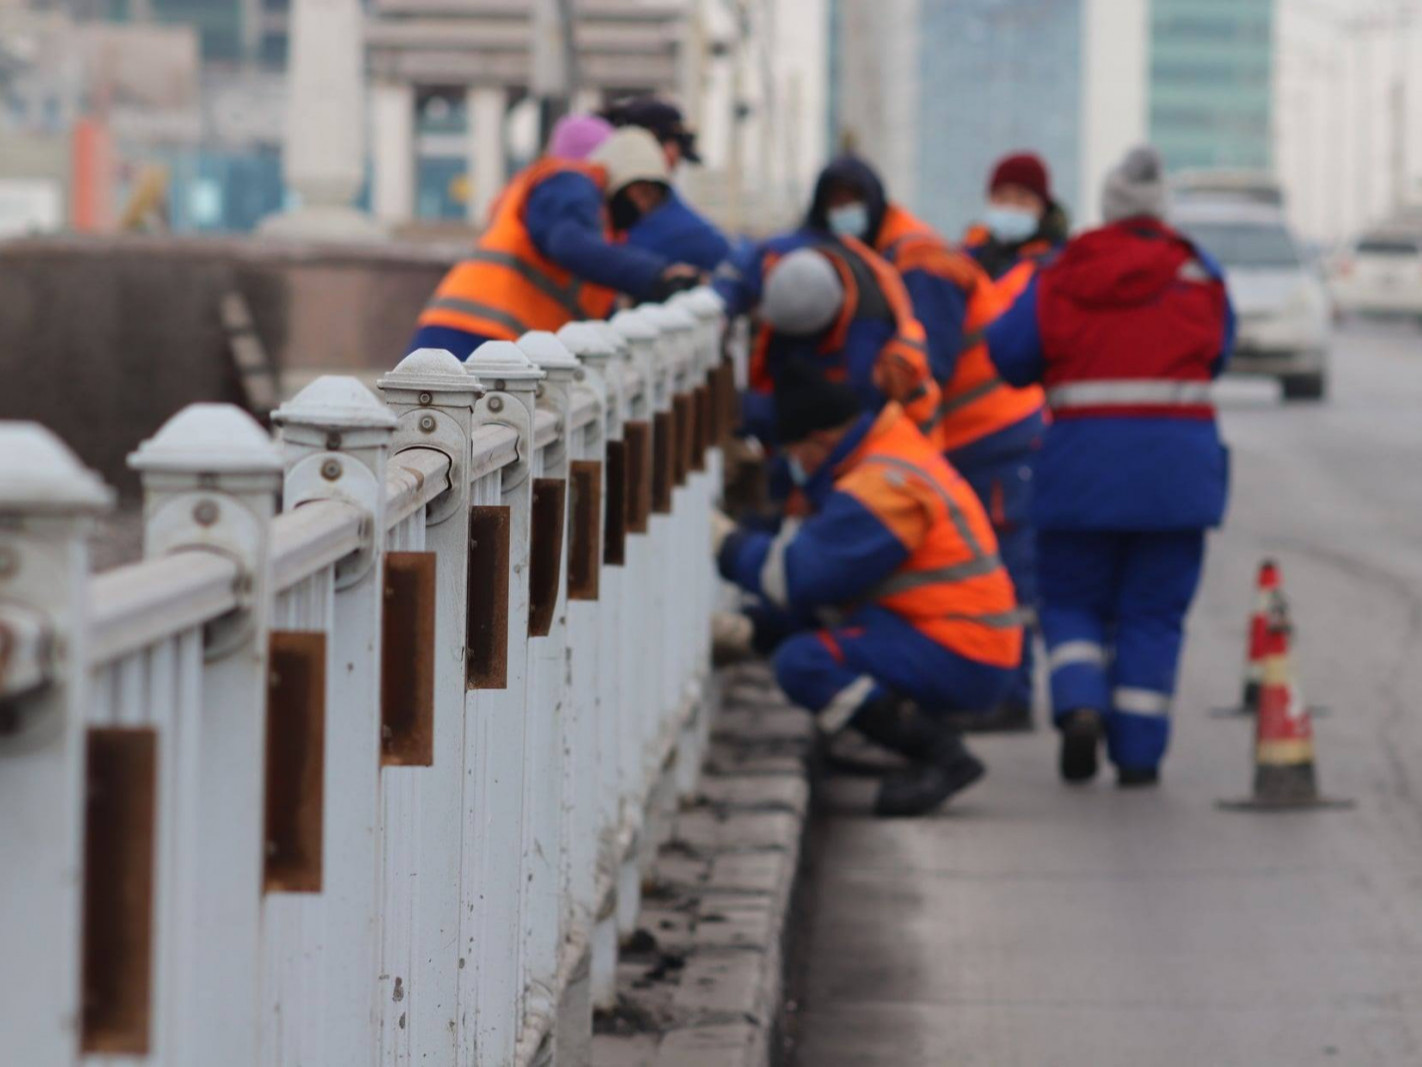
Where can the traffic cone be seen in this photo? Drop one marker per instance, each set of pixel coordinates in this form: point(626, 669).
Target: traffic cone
point(1267, 586)
point(1284, 774)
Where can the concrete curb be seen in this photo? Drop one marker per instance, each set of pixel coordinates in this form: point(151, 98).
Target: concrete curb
point(701, 984)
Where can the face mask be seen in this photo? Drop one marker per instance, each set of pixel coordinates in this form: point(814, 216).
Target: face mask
point(798, 474)
point(850, 220)
point(1010, 225)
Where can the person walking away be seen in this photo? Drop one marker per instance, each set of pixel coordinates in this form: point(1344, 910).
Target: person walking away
point(989, 430)
point(897, 545)
point(672, 228)
point(1023, 224)
point(547, 256)
point(1126, 328)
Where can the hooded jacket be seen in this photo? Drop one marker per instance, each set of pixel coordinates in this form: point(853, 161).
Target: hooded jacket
point(1125, 329)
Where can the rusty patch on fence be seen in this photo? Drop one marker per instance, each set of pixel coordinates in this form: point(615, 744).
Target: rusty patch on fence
point(407, 660)
point(486, 625)
point(545, 560)
point(701, 423)
point(640, 475)
point(585, 546)
point(663, 461)
point(685, 430)
point(296, 761)
point(120, 824)
point(614, 527)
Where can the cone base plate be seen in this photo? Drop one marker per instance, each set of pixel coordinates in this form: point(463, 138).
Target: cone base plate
point(1255, 804)
point(1238, 712)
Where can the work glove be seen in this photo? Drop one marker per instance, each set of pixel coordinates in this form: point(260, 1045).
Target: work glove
point(722, 526)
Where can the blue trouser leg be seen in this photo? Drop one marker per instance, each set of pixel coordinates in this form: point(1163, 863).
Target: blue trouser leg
point(834, 672)
point(1005, 488)
point(461, 343)
point(1159, 574)
point(1077, 573)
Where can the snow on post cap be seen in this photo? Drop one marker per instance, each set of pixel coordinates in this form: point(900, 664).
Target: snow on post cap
point(209, 439)
point(636, 325)
point(335, 402)
point(39, 473)
point(547, 351)
point(592, 340)
point(701, 302)
point(430, 370)
point(504, 361)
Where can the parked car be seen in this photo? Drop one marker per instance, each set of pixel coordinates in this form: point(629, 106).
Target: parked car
point(1279, 297)
point(1380, 275)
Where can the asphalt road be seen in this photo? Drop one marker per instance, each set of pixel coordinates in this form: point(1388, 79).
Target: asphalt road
point(1033, 925)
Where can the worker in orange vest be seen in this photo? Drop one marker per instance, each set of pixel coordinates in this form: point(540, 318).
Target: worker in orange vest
point(989, 430)
point(548, 255)
point(1023, 225)
point(898, 546)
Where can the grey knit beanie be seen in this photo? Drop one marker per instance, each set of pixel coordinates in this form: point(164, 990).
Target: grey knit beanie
point(1135, 187)
point(803, 294)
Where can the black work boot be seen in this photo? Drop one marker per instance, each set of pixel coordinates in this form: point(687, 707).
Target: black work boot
point(941, 763)
point(1009, 717)
point(1081, 737)
point(1137, 777)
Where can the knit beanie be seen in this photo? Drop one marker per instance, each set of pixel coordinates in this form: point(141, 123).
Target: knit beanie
point(806, 401)
point(577, 136)
point(803, 294)
point(1136, 187)
point(1024, 169)
point(631, 154)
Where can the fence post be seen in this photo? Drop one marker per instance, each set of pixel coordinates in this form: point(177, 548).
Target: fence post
point(423, 989)
point(497, 862)
point(47, 501)
point(322, 950)
point(210, 478)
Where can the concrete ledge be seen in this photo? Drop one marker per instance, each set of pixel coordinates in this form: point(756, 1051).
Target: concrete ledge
point(701, 981)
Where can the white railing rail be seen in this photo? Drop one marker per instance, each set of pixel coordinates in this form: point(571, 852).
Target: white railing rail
point(372, 777)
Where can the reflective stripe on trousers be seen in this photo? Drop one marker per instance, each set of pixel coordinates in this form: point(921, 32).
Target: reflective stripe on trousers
point(1136, 701)
point(1073, 653)
point(1129, 393)
point(835, 715)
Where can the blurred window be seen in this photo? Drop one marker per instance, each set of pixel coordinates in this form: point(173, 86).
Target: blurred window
point(1246, 245)
point(1388, 246)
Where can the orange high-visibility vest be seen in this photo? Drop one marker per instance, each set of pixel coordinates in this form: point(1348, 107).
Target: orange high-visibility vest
point(507, 287)
point(952, 587)
point(975, 402)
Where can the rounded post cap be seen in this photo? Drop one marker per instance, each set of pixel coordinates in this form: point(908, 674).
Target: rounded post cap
point(209, 439)
point(430, 370)
point(669, 317)
point(335, 402)
point(41, 474)
point(546, 350)
point(503, 361)
point(703, 302)
point(636, 325)
point(592, 340)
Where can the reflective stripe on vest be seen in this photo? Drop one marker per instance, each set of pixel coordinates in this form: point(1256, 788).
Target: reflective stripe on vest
point(1127, 393)
point(906, 582)
point(955, 513)
point(567, 296)
point(483, 311)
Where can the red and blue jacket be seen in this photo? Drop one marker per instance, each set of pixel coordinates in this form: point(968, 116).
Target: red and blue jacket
point(1126, 329)
point(892, 525)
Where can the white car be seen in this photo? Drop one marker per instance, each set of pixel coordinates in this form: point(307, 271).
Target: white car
point(1282, 308)
point(1381, 275)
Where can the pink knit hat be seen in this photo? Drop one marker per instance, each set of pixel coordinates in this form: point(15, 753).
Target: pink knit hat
point(577, 136)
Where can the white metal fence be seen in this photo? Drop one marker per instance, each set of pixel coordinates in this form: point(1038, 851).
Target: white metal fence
point(371, 779)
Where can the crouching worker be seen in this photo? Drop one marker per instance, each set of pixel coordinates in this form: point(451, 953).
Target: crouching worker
point(897, 547)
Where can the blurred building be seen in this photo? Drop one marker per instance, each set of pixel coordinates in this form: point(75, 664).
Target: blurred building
point(934, 91)
point(1211, 82)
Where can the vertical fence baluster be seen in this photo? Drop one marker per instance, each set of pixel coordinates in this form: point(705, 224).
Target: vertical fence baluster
point(421, 981)
point(320, 1002)
point(210, 478)
point(497, 858)
point(47, 501)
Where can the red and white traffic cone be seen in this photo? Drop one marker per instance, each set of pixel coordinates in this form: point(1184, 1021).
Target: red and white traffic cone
point(1268, 585)
point(1285, 778)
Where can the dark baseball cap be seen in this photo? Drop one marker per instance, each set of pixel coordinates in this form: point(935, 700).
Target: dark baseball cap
point(663, 120)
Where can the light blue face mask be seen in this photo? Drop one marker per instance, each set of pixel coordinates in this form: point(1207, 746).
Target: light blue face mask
point(798, 474)
point(849, 220)
point(1010, 225)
